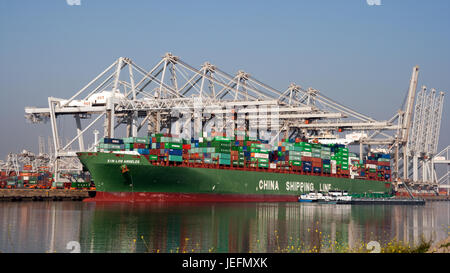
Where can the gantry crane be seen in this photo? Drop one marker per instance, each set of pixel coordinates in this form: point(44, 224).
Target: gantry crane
point(175, 97)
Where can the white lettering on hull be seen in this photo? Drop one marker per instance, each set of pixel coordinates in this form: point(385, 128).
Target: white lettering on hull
point(268, 185)
point(122, 161)
point(292, 186)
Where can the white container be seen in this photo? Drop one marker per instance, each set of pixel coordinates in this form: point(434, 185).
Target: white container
point(306, 154)
point(259, 155)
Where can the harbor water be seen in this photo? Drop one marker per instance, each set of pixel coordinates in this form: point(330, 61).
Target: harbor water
point(213, 227)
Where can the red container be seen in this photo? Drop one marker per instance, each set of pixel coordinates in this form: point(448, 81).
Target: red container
point(307, 158)
point(186, 146)
point(139, 145)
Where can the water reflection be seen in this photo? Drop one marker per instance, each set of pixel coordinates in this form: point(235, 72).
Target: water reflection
point(252, 227)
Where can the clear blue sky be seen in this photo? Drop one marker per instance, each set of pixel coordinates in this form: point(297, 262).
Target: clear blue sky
point(357, 54)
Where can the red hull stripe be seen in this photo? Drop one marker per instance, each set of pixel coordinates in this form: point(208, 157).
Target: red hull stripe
point(186, 197)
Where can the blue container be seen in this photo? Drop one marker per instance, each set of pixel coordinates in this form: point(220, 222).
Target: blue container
point(196, 144)
point(326, 161)
point(112, 140)
point(306, 168)
point(175, 152)
point(236, 143)
point(158, 145)
point(143, 151)
point(307, 163)
point(362, 174)
point(387, 168)
point(279, 148)
point(387, 176)
point(317, 169)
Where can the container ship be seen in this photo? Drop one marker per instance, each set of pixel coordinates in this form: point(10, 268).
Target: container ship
point(167, 168)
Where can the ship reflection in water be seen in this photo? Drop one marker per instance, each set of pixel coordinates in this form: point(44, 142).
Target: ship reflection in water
point(243, 227)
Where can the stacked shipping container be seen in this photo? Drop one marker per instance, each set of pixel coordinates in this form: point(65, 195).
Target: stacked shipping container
point(244, 151)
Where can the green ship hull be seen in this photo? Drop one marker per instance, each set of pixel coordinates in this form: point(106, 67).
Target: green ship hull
point(126, 177)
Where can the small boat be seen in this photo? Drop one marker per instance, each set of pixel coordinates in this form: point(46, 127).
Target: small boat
point(311, 197)
point(341, 197)
point(331, 197)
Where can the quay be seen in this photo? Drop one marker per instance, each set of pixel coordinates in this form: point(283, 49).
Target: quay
point(44, 194)
point(387, 201)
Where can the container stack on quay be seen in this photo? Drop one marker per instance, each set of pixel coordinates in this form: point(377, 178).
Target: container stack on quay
point(27, 178)
point(241, 150)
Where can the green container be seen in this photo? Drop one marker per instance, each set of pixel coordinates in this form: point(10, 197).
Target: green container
point(295, 157)
point(222, 155)
point(109, 146)
point(223, 161)
point(223, 150)
point(136, 140)
point(177, 158)
point(304, 144)
point(295, 153)
point(153, 157)
point(222, 139)
point(295, 162)
point(263, 160)
point(128, 146)
point(172, 145)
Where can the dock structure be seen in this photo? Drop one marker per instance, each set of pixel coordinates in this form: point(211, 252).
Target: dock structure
point(387, 201)
point(44, 195)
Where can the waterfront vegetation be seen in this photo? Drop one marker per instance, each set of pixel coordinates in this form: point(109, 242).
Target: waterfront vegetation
point(327, 245)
